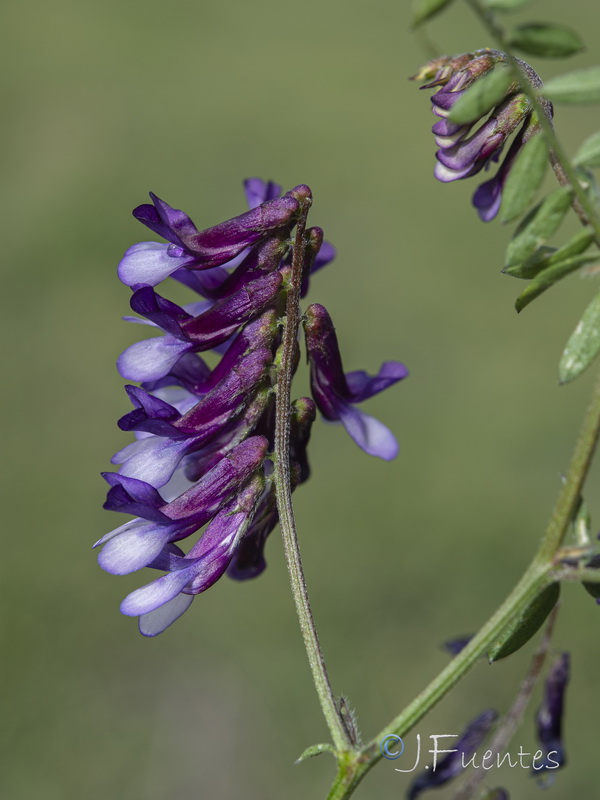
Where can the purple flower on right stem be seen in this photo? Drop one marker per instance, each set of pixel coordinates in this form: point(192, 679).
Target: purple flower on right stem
point(336, 392)
point(463, 153)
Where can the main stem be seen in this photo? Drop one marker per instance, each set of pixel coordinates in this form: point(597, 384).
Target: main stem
point(283, 490)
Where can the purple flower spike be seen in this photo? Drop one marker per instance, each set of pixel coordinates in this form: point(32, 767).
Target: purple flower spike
point(205, 436)
point(336, 392)
point(451, 765)
point(550, 715)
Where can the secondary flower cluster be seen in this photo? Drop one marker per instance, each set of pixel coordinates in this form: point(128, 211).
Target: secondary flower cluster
point(463, 152)
point(204, 434)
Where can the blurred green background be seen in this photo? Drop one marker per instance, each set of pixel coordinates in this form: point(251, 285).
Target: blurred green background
point(105, 101)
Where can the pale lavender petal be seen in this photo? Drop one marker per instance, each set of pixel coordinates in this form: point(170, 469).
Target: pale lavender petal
point(157, 621)
point(155, 460)
point(157, 593)
point(369, 433)
point(152, 358)
point(133, 523)
point(149, 263)
point(135, 548)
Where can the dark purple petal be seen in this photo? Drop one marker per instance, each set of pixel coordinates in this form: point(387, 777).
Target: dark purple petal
point(219, 322)
point(205, 498)
point(361, 385)
point(148, 407)
point(229, 396)
point(549, 717)
point(217, 245)
point(262, 259)
point(259, 191)
point(167, 315)
point(132, 496)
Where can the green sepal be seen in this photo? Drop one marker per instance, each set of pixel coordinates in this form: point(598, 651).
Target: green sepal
point(588, 154)
point(545, 39)
point(526, 624)
point(423, 10)
point(581, 86)
point(504, 5)
point(538, 225)
point(482, 96)
point(583, 345)
point(315, 750)
point(525, 178)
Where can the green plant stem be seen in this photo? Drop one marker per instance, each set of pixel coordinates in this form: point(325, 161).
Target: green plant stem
point(283, 491)
point(560, 162)
point(538, 574)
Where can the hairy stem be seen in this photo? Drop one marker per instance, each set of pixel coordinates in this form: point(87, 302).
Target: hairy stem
point(283, 491)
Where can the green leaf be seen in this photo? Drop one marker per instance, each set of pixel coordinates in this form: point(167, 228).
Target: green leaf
point(425, 9)
point(583, 345)
point(315, 750)
point(581, 86)
point(526, 624)
point(525, 178)
point(545, 39)
point(538, 225)
point(552, 275)
point(482, 96)
point(588, 154)
point(504, 5)
point(545, 257)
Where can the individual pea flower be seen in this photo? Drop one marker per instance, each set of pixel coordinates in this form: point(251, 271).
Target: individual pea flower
point(452, 763)
point(336, 392)
point(463, 152)
point(549, 718)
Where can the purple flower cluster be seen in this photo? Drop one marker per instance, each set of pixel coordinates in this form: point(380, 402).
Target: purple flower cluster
point(204, 435)
point(464, 152)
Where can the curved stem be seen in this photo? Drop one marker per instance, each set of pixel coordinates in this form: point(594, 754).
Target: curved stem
point(283, 491)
